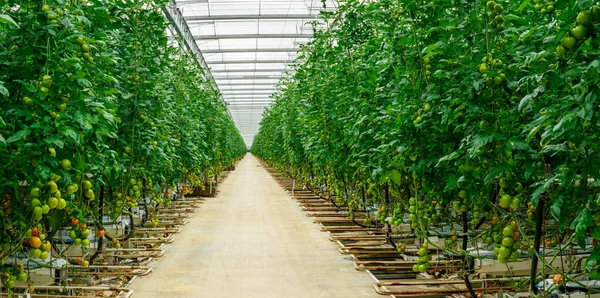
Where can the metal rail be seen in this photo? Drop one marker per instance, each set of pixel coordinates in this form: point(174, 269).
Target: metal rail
point(253, 17)
point(175, 17)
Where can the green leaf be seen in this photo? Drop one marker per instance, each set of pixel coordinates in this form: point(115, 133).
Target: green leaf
point(557, 207)
point(523, 5)
point(56, 141)
point(535, 196)
point(580, 224)
point(8, 20)
point(452, 183)
point(396, 177)
point(3, 90)
point(43, 172)
point(495, 171)
point(28, 87)
point(55, 220)
point(71, 133)
point(596, 232)
point(593, 259)
point(19, 135)
point(84, 83)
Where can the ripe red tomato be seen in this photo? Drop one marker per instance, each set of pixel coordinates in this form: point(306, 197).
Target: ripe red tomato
point(101, 233)
point(558, 279)
point(74, 221)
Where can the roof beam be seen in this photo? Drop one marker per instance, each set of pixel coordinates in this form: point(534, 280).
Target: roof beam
point(250, 106)
point(231, 95)
point(251, 70)
point(186, 2)
point(246, 36)
point(235, 92)
point(250, 102)
point(252, 17)
point(248, 61)
point(248, 99)
point(175, 17)
point(250, 79)
point(251, 89)
point(227, 84)
point(241, 77)
point(259, 50)
point(253, 104)
point(247, 84)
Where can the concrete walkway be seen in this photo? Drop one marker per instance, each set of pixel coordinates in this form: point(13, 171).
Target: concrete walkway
point(252, 240)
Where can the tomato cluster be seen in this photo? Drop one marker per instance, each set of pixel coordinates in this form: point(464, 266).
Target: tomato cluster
point(423, 260)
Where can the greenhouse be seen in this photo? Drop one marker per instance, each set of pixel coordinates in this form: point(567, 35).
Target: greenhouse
point(299, 148)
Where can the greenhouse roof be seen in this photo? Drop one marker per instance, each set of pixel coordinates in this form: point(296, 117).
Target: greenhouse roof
point(248, 45)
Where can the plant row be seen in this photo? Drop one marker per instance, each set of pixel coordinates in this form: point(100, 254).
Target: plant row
point(431, 112)
point(100, 110)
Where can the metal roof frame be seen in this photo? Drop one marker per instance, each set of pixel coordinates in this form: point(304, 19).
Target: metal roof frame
point(252, 17)
point(257, 50)
point(250, 61)
point(245, 84)
point(247, 36)
point(251, 70)
point(259, 37)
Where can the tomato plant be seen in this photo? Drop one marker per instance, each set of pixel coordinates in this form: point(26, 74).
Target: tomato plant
point(98, 111)
point(405, 107)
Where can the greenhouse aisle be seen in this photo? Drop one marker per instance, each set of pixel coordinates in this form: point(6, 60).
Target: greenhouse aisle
point(252, 240)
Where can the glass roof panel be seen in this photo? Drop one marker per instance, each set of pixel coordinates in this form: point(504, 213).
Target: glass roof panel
point(248, 46)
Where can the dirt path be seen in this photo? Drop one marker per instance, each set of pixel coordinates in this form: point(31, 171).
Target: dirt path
point(252, 241)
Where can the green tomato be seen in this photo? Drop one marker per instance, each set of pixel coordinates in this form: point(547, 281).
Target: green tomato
point(508, 242)
point(62, 204)
point(585, 17)
point(515, 203)
point(579, 32)
point(502, 259)
point(508, 231)
point(418, 120)
point(412, 201)
point(505, 201)
point(22, 277)
point(569, 42)
point(87, 184)
point(52, 202)
point(37, 210)
point(35, 192)
point(504, 252)
point(65, 164)
point(35, 252)
point(52, 187)
point(35, 202)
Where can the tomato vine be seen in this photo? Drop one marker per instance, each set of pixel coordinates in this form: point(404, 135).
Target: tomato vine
point(96, 103)
point(488, 107)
